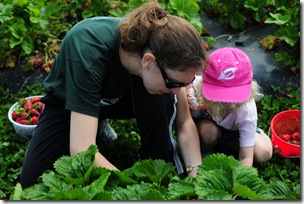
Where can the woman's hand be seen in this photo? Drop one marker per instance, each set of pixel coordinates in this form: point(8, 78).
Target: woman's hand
point(187, 134)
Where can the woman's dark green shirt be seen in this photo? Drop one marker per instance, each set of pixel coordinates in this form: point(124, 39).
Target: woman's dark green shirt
point(87, 72)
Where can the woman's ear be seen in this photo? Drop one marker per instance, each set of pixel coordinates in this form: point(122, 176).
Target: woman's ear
point(147, 60)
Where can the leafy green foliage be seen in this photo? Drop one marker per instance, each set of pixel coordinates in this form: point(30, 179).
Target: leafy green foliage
point(219, 178)
point(287, 18)
point(188, 10)
point(224, 179)
point(284, 169)
point(278, 172)
point(128, 136)
point(32, 29)
point(177, 188)
point(280, 100)
point(12, 146)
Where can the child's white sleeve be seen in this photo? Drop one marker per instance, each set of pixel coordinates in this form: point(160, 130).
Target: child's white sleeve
point(191, 97)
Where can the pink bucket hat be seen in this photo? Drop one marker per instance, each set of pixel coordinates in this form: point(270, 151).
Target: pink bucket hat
point(228, 76)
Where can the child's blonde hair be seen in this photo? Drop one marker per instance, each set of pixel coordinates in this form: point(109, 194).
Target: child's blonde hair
point(219, 108)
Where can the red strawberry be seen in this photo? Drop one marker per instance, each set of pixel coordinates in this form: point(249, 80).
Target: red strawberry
point(23, 115)
point(34, 120)
point(207, 47)
point(38, 106)
point(24, 122)
point(294, 71)
point(28, 105)
point(35, 99)
point(34, 112)
point(295, 142)
point(18, 119)
point(285, 137)
point(51, 62)
point(14, 115)
point(296, 136)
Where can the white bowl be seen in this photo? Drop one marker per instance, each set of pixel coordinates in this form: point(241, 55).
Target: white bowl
point(20, 129)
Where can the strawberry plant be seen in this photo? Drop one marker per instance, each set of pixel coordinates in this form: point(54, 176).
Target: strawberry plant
point(278, 101)
point(12, 146)
point(287, 18)
point(273, 172)
point(31, 29)
point(219, 178)
point(30, 33)
point(231, 14)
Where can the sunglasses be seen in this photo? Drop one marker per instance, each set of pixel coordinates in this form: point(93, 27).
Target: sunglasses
point(168, 82)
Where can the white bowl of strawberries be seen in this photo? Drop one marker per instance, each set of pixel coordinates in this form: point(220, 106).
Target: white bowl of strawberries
point(24, 115)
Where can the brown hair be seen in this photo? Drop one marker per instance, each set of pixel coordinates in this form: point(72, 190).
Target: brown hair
point(173, 40)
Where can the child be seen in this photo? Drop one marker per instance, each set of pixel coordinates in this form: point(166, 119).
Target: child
point(227, 93)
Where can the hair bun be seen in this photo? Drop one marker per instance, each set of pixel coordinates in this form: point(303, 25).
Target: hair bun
point(160, 14)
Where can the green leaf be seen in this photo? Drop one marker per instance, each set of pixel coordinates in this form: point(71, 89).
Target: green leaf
point(237, 20)
point(37, 192)
point(54, 182)
point(34, 14)
point(278, 19)
point(280, 190)
point(6, 12)
point(117, 178)
point(116, 12)
point(141, 191)
point(21, 3)
point(18, 30)
point(289, 33)
point(156, 171)
point(14, 42)
point(216, 195)
point(180, 189)
point(104, 195)
point(245, 192)
point(283, 56)
point(184, 8)
point(84, 192)
point(254, 5)
point(78, 167)
point(220, 174)
point(27, 45)
point(97, 186)
point(211, 181)
point(17, 194)
point(219, 161)
point(188, 10)
point(87, 13)
point(197, 24)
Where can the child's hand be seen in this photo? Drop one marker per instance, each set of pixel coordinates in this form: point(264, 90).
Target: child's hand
point(202, 107)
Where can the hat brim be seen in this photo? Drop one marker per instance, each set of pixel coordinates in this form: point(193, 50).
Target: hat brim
point(237, 94)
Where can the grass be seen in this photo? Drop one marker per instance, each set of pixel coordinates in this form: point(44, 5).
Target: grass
point(13, 147)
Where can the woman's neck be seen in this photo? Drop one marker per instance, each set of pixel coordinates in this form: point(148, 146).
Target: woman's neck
point(130, 61)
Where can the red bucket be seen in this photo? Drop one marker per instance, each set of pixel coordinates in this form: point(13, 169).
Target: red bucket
point(286, 122)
